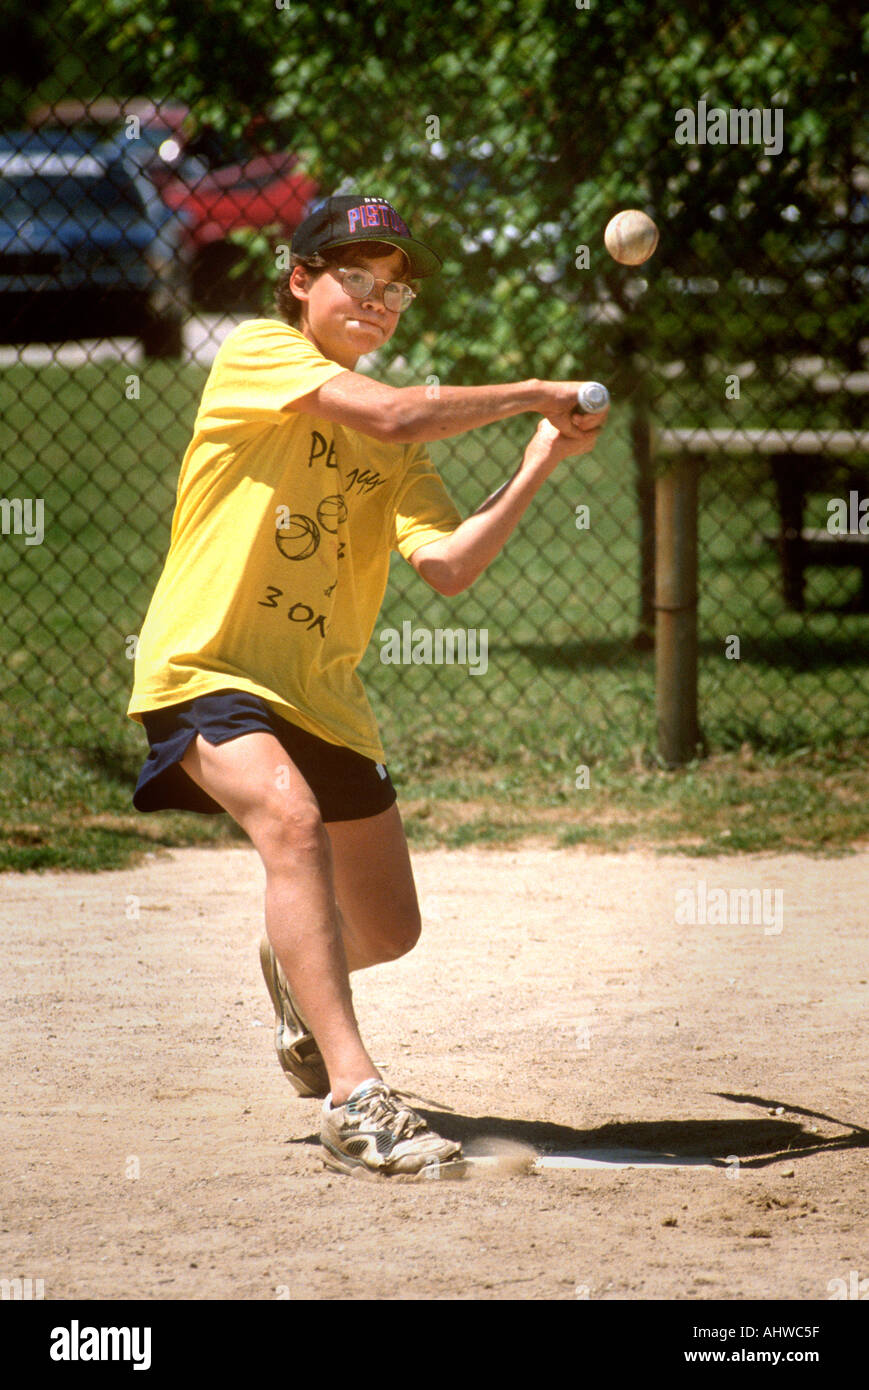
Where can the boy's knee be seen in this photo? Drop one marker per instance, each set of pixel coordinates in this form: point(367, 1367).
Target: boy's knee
point(403, 935)
point(290, 827)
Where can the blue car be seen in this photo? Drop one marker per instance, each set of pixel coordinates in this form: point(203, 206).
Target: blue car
point(87, 246)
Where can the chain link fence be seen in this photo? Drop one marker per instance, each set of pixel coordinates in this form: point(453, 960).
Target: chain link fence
point(137, 226)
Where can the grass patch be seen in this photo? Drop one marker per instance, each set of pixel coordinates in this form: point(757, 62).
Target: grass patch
point(739, 803)
point(70, 809)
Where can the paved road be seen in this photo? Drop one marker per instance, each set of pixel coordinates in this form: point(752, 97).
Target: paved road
point(203, 335)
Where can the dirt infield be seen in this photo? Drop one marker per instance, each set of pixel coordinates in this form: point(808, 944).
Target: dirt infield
point(153, 1149)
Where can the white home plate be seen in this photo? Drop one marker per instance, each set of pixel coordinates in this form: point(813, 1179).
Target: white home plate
point(622, 1158)
point(506, 1158)
point(510, 1156)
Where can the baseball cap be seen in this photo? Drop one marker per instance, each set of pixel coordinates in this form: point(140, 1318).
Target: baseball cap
point(349, 217)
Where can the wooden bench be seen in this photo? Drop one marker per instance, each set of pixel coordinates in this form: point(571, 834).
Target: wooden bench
point(796, 456)
point(809, 546)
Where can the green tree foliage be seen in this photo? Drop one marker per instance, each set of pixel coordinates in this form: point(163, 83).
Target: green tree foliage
point(27, 56)
point(509, 131)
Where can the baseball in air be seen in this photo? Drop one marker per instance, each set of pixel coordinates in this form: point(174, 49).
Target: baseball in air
point(631, 237)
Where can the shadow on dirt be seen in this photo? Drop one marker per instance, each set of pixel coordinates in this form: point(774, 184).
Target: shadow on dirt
point(756, 1143)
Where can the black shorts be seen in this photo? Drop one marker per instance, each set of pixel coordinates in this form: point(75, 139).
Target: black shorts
point(347, 785)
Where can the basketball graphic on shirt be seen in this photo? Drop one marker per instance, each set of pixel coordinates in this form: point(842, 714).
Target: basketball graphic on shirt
point(332, 513)
point(300, 539)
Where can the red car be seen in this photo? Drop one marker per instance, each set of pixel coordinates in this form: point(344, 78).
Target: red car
point(194, 176)
point(268, 190)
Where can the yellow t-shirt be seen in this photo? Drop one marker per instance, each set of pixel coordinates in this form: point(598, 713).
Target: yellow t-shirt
point(280, 545)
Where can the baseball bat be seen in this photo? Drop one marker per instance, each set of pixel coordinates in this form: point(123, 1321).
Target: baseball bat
point(592, 396)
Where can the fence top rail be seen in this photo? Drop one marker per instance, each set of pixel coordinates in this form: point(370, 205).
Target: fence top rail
point(846, 540)
point(756, 441)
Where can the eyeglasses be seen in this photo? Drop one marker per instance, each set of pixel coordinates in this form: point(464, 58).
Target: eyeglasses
point(359, 283)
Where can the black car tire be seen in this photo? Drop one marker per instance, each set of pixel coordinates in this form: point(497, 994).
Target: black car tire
point(163, 338)
point(217, 290)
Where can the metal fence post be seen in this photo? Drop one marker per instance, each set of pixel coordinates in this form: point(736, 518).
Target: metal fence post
point(644, 483)
point(676, 611)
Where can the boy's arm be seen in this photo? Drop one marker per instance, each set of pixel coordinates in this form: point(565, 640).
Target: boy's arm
point(409, 414)
point(453, 563)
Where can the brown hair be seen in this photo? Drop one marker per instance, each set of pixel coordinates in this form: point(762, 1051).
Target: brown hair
point(290, 308)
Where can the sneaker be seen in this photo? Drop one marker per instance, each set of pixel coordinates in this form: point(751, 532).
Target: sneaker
point(297, 1050)
point(374, 1129)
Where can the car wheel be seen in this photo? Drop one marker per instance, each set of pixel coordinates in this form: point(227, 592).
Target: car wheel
point(163, 338)
point(216, 289)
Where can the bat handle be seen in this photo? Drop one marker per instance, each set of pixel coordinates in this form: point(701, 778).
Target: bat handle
point(592, 396)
